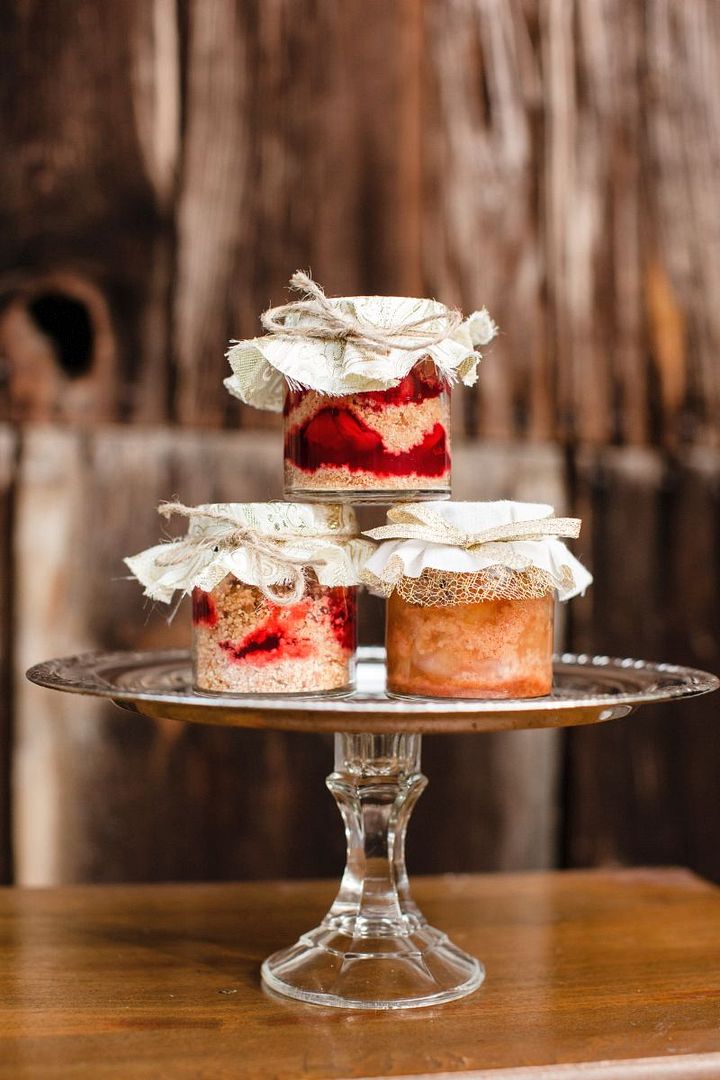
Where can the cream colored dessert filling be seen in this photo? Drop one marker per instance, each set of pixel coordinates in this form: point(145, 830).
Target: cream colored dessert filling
point(401, 427)
point(495, 648)
point(252, 646)
point(335, 478)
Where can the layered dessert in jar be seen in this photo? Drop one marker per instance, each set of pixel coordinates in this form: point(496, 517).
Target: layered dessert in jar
point(471, 591)
point(244, 643)
point(274, 594)
point(387, 441)
point(364, 385)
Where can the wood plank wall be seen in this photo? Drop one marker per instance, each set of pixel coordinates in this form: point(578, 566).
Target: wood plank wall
point(168, 165)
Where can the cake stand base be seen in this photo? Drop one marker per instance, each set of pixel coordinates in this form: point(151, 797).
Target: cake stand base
point(329, 967)
point(374, 949)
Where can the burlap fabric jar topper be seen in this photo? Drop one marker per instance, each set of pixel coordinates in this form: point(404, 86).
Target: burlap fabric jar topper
point(464, 553)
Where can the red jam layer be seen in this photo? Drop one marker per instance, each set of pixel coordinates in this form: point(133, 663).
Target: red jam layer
point(335, 437)
point(283, 635)
point(278, 638)
point(338, 436)
point(421, 383)
point(204, 612)
point(342, 609)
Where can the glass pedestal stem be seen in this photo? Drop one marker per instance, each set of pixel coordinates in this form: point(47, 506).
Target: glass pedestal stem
point(376, 783)
point(374, 949)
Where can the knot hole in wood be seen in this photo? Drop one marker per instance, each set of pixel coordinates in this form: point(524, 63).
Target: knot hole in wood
point(57, 350)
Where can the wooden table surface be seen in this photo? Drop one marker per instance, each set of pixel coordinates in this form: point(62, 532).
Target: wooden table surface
point(619, 971)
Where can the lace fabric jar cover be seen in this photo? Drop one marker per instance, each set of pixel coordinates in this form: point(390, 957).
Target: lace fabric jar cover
point(273, 588)
point(364, 384)
point(471, 593)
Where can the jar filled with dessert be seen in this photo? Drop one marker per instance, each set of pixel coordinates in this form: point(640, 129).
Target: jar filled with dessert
point(471, 591)
point(376, 445)
point(273, 586)
point(364, 384)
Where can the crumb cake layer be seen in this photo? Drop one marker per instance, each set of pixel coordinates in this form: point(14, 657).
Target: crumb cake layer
point(394, 439)
point(491, 649)
point(243, 643)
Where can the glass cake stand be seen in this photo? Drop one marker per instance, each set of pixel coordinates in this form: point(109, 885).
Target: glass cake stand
point(374, 949)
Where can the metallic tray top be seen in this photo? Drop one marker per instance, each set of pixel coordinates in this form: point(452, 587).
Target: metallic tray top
point(587, 690)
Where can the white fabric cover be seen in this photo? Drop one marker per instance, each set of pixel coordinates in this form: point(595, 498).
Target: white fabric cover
point(435, 547)
point(264, 366)
point(321, 537)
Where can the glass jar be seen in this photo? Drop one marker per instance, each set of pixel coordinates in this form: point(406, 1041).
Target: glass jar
point(496, 648)
point(378, 446)
point(244, 643)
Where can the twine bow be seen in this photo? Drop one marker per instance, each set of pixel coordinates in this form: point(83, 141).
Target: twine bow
point(321, 319)
point(189, 548)
point(422, 523)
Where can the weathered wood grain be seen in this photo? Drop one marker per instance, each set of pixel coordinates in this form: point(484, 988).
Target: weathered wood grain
point(682, 144)
point(553, 159)
point(590, 55)
point(639, 790)
point(213, 199)
point(482, 165)
point(286, 166)
point(572, 150)
point(51, 738)
point(692, 636)
point(616, 781)
point(100, 795)
point(89, 127)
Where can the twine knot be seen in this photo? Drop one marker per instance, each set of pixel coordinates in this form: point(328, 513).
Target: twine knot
point(318, 318)
point(258, 545)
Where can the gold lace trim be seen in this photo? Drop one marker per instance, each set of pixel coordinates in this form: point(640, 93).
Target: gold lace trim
point(443, 588)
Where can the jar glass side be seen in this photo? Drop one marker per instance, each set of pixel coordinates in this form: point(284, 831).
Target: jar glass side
point(491, 649)
point(390, 443)
point(243, 643)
